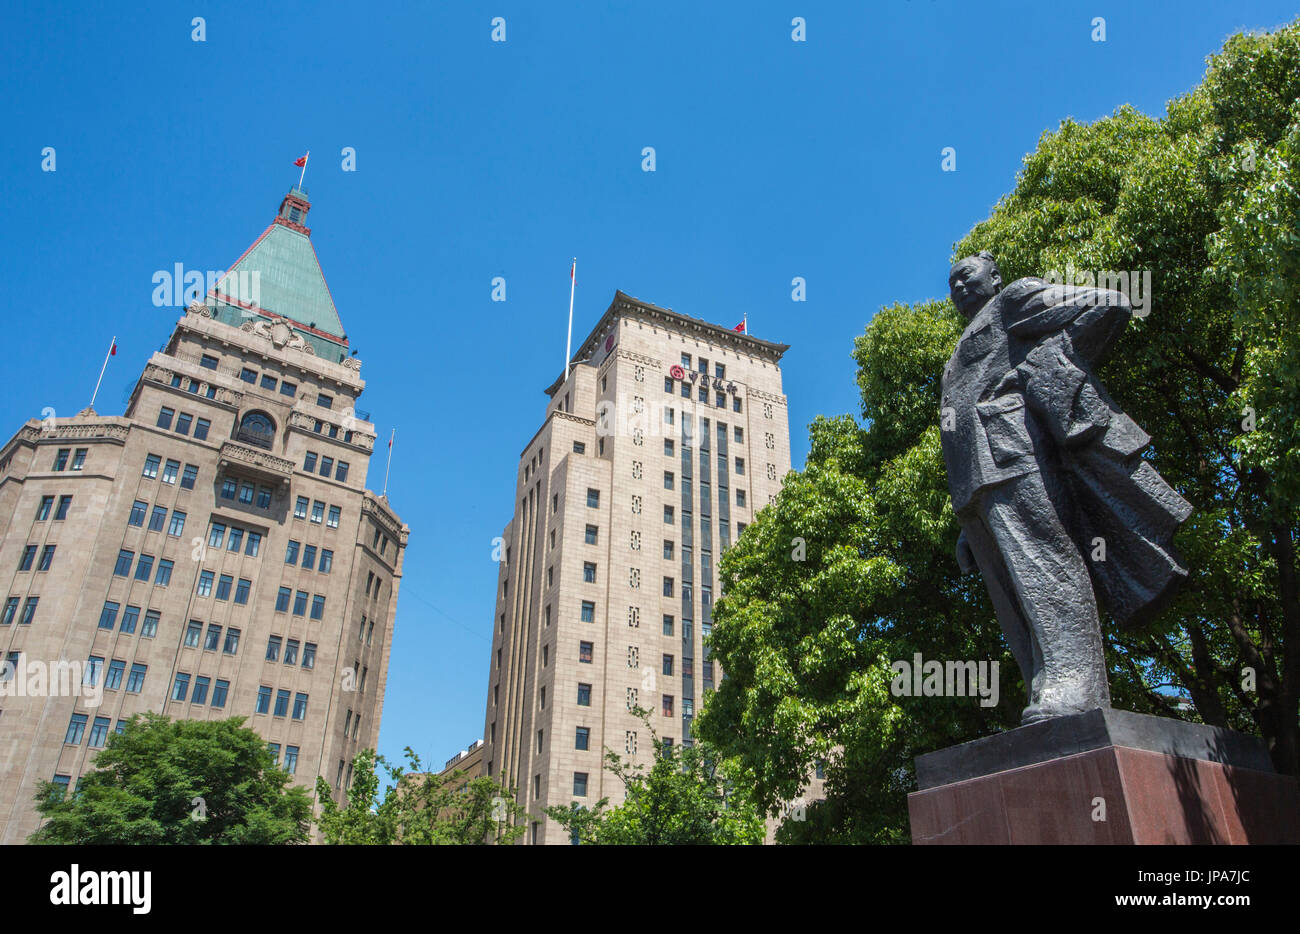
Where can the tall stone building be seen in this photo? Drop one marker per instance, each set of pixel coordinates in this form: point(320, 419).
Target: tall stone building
point(213, 551)
point(658, 445)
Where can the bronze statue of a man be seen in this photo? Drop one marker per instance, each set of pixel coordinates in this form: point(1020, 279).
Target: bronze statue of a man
point(1056, 506)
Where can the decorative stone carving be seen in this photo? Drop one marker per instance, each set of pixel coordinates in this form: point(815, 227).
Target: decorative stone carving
point(352, 363)
point(279, 334)
point(199, 309)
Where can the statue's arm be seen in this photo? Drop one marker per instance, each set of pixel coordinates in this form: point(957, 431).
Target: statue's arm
point(1094, 318)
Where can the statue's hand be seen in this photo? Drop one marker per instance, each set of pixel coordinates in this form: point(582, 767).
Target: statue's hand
point(965, 557)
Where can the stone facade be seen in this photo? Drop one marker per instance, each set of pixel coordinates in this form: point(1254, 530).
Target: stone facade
point(183, 556)
point(660, 443)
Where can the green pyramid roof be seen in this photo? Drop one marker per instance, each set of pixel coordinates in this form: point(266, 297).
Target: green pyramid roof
point(282, 278)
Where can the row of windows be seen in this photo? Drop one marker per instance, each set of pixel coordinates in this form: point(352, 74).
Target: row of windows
point(326, 466)
point(223, 585)
point(46, 508)
point(77, 731)
point(144, 566)
point(317, 511)
point(181, 690)
point(300, 602)
point(11, 610)
point(290, 646)
point(113, 678)
point(719, 370)
point(157, 518)
point(130, 618)
point(281, 703)
point(246, 493)
point(269, 382)
point(233, 536)
point(193, 385)
point(26, 559)
point(308, 553)
point(719, 399)
point(212, 641)
point(184, 421)
point(78, 458)
point(153, 463)
point(290, 757)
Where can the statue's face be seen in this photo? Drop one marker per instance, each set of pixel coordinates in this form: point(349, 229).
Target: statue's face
point(972, 282)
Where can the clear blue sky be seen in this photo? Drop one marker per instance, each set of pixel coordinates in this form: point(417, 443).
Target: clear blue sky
point(478, 159)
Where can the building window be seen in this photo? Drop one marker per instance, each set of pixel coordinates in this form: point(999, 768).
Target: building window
point(740, 497)
point(263, 699)
point(333, 521)
point(205, 583)
point(282, 599)
point(219, 691)
point(300, 508)
point(170, 470)
point(247, 375)
point(129, 619)
point(135, 680)
point(232, 642)
point(591, 534)
point(584, 695)
point(579, 448)
point(183, 423)
point(290, 759)
point(585, 652)
point(76, 729)
point(582, 739)
point(47, 556)
point(668, 549)
point(151, 465)
point(668, 447)
point(193, 633)
point(317, 607)
point(177, 526)
point(593, 498)
point(317, 511)
point(257, 429)
point(200, 695)
point(588, 611)
point(668, 664)
point(668, 515)
point(309, 558)
point(324, 401)
point(213, 638)
point(107, 616)
point(229, 488)
point(45, 508)
point(122, 569)
point(150, 628)
point(273, 649)
point(668, 384)
point(291, 652)
point(287, 388)
point(588, 572)
point(668, 705)
point(281, 703)
point(300, 603)
point(62, 511)
point(299, 706)
point(668, 480)
point(740, 466)
point(668, 586)
point(164, 575)
point(309, 655)
point(291, 552)
point(181, 686)
point(61, 459)
point(341, 472)
point(580, 784)
point(165, 416)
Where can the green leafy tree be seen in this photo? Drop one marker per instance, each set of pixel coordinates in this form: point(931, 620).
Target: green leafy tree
point(184, 781)
point(417, 808)
point(682, 798)
point(1205, 200)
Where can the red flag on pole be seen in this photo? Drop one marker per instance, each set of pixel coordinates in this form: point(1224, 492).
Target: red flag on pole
point(112, 350)
point(740, 327)
point(300, 161)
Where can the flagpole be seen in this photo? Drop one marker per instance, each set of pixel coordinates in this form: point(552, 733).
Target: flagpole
point(568, 346)
point(390, 463)
point(111, 345)
point(304, 169)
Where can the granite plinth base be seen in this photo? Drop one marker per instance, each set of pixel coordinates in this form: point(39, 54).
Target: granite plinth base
point(1105, 777)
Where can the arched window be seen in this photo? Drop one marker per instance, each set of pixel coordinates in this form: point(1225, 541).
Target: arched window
point(256, 428)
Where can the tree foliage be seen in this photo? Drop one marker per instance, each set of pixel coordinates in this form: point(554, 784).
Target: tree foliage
point(178, 782)
point(683, 798)
point(417, 808)
point(1207, 200)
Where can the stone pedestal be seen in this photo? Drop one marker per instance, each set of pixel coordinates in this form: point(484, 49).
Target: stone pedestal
point(1154, 780)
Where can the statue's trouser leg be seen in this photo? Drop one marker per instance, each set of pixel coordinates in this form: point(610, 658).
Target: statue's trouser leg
point(997, 581)
point(1054, 591)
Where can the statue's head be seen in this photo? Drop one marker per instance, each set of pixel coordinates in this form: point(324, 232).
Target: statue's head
point(973, 281)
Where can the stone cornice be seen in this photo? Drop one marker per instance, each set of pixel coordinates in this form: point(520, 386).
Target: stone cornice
point(766, 396)
point(557, 413)
point(363, 440)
